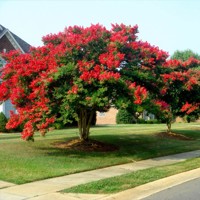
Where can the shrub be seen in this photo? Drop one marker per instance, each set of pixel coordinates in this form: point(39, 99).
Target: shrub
point(3, 122)
point(191, 118)
point(124, 117)
point(141, 121)
point(58, 125)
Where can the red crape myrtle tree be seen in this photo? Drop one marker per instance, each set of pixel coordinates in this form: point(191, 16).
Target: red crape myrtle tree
point(77, 72)
point(182, 88)
point(179, 91)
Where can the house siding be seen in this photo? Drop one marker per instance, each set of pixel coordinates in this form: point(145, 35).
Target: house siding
point(7, 107)
point(107, 117)
point(9, 41)
point(5, 44)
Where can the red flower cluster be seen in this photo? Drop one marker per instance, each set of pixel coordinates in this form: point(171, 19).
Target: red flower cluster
point(140, 93)
point(14, 121)
point(182, 72)
point(123, 34)
point(74, 90)
point(189, 108)
point(97, 73)
point(151, 55)
point(28, 131)
point(162, 105)
point(111, 59)
point(181, 65)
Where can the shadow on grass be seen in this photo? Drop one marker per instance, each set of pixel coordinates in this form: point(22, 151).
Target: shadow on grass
point(131, 146)
point(10, 136)
point(195, 134)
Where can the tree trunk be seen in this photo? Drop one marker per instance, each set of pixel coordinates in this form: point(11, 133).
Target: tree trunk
point(169, 121)
point(169, 125)
point(84, 123)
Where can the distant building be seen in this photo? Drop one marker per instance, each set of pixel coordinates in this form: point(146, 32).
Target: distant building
point(9, 41)
point(109, 117)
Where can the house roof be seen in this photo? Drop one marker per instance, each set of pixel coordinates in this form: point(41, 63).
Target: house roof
point(21, 44)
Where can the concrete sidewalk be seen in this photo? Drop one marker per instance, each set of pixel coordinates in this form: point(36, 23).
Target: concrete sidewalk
point(46, 189)
point(137, 193)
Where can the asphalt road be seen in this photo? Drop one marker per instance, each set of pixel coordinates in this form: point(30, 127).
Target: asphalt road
point(186, 191)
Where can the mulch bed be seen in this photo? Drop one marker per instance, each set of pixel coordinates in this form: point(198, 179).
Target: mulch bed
point(175, 136)
point(86, 146)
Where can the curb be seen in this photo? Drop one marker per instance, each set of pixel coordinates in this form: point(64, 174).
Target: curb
point(148, 189)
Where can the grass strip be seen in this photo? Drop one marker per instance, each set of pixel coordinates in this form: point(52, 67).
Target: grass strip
point(134, 179)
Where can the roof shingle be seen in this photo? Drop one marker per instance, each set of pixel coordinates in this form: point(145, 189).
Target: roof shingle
point(24, 45)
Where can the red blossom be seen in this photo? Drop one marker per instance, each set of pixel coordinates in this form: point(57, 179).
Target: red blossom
point(189, 108)
point(28, 131)
point(162, 105)
point(109, 76)
point(140, 94)
point(74, 90)
point(14, 121)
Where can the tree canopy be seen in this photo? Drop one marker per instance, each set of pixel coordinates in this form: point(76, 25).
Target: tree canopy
point(185, 55)
point(181, 91)
point(83, 70)
point(76, 72)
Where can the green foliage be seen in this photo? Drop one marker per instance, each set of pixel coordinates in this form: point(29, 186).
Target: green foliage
point(61, 125)
point(191, 118)
point(124, 117)
point(3, 122)
point(141, 121)
point(58, 125)
point(185, 55)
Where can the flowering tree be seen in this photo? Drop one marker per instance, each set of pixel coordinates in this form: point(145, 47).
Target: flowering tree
point(77, 72)
point(180, 91)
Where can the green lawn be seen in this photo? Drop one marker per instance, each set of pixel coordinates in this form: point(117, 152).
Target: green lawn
point(22, 162)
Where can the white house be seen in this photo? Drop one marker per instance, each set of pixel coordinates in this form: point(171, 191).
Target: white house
point(10, 41)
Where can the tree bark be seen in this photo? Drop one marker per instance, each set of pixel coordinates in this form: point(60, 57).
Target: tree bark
point(84, 123)
point(169, 121)
point(169, 125)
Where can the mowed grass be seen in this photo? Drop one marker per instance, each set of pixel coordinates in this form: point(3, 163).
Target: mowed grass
point(22, 162)
point(134, 179)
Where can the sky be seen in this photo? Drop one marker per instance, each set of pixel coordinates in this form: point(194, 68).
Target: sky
point(169, 24)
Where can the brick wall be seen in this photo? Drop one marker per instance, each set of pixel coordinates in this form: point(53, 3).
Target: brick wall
point(107, 117)
point(5, 44)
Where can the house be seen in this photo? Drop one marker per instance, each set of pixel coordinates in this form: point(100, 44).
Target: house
point(105, 118)
point(9, 41)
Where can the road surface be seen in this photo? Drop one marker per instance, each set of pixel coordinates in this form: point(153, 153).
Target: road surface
point(186, 191)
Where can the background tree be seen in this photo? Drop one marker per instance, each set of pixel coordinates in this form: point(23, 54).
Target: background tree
point(76, 73)
point(185, 55)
